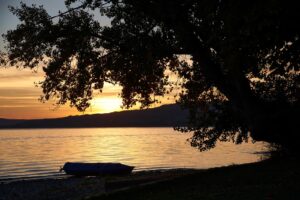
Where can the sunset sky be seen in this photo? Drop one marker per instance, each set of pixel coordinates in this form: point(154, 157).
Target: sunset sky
point(18, 94)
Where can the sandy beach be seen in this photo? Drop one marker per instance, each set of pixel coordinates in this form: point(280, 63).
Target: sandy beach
point(269, 179)
point(83, 187)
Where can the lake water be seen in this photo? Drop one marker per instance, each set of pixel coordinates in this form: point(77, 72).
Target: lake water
point(39, 153)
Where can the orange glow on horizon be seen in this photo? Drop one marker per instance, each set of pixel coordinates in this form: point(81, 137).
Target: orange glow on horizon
point(19, 98)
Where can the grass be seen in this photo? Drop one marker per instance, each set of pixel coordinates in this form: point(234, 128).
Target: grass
point(272, 179)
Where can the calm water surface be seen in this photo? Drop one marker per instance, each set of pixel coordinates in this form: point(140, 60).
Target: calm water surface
point(39, 153)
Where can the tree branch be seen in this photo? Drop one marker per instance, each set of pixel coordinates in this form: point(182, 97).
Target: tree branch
point(68, 11)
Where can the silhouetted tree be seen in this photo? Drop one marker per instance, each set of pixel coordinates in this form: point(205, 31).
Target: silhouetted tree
point(243, 77)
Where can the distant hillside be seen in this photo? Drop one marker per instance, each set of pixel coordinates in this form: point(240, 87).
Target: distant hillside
point(163, 116)
point(9, 122)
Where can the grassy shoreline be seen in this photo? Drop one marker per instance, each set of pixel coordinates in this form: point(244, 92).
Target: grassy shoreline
point(270, 179)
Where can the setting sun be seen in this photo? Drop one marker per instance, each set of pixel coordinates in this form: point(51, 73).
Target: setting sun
point(106, 104)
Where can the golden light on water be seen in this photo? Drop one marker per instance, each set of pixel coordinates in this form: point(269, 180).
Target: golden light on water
point(41, 152)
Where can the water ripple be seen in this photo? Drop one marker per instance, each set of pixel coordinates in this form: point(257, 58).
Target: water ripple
point(39, 153)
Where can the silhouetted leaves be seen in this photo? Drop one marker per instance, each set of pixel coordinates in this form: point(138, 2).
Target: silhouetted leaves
point(243, 76)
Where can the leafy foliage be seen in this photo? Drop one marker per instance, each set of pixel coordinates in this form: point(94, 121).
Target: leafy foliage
point(243, 76)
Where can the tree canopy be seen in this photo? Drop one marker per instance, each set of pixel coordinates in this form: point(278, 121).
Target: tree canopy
point(243, 78)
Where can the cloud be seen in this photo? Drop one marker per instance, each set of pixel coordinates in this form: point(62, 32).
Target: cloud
point(35, 112)
point(20, 75)
point(20, 92)
point(12, 73)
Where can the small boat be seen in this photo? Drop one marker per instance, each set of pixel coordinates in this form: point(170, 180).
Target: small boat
point(96, 169)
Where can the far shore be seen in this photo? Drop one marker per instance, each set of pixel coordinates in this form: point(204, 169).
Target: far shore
point(269, 179)
point(82, 127)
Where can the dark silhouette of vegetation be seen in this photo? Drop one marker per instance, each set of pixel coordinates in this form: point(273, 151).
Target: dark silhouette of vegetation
point(243, 78)
point(271, 179)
